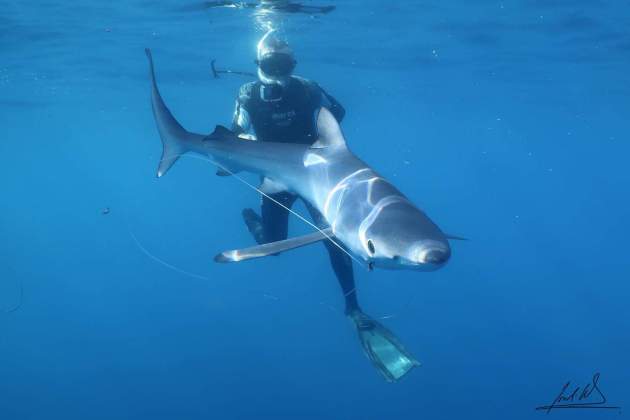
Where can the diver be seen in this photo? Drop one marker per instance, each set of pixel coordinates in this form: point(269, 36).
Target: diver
point(281, 107)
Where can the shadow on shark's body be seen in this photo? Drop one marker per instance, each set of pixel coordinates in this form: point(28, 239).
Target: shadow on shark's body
point(367, 216)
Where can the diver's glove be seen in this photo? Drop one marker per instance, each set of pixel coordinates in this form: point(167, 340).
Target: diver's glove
point(382, 347)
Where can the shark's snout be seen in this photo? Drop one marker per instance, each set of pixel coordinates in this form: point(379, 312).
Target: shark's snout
point(437, 256)
point(433, 254)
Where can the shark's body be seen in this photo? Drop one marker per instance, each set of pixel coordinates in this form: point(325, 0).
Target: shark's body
point(367, 215)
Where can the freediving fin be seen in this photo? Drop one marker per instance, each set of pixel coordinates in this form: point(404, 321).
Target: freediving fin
point(382, 347)
point(272, 248)
point(255, 225)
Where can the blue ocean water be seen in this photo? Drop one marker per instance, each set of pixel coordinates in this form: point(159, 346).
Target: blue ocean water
point(507, 122)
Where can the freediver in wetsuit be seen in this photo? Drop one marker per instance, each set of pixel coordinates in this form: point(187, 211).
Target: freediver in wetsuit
point(280, 107)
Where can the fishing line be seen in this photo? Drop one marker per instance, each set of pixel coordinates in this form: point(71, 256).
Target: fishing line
point(20, 300)
point(299, 216)
point(402, 311)
point(162, 262)
point(179, 270)
point(396, 314)
point(242, 180)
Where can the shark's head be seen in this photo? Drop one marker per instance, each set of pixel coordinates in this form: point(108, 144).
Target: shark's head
point(400, 236)
point(367, 214)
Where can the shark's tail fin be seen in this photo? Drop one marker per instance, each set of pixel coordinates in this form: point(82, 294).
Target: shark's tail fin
point(174, 137)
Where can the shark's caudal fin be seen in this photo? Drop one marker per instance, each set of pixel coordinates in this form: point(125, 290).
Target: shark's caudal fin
point(175, 138)
point(328, 131)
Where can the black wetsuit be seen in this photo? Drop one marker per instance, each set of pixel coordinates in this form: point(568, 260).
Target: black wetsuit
point(291, 119)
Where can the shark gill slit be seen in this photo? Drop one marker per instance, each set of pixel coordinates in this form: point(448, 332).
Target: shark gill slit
point(340, 187)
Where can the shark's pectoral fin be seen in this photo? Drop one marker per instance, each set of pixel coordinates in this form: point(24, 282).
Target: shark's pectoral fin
point(272, 248)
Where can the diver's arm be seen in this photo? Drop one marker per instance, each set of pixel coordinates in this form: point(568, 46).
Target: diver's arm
point(322, 98)
point(333, 105)
point(240, 119)
point(241, 126)
point(241, 122)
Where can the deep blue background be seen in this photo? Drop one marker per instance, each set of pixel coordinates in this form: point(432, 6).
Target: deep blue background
point(507, 122)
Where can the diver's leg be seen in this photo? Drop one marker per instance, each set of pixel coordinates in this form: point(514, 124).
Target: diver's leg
point(275, 218)
point(380, 345)
point(341, 264)
point(273, 224)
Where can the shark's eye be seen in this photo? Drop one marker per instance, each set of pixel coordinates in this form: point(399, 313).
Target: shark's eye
point(370, 246)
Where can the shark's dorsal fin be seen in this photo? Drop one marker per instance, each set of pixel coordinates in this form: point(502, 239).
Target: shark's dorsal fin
point(220, 133)
point(328, 131)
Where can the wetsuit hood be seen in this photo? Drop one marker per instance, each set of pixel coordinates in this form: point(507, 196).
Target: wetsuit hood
point(275, 59)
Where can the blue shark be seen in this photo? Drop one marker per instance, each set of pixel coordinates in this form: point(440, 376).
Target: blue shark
point(368, 217)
